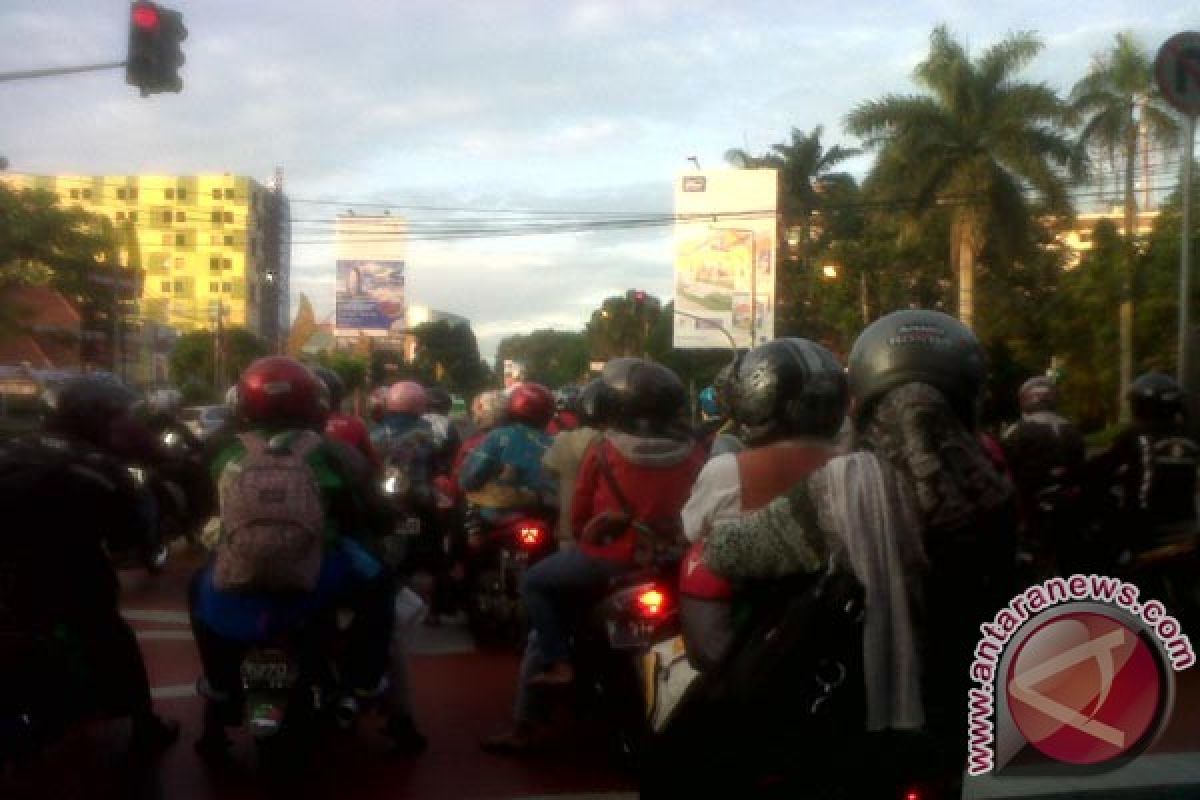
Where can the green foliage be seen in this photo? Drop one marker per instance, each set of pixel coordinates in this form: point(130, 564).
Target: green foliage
point(553, 358)
point(192, 367)
point(352, 369)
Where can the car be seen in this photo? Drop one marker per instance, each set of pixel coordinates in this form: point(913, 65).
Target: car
point(204, 421)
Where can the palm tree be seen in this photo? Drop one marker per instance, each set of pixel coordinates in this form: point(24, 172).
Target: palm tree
point(1116, 98)
point(802, 164)
point(974, 143)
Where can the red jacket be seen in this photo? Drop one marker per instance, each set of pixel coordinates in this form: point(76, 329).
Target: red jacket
point(563, 421)
point(463, 451)
point(353, 431)
point(655, 476)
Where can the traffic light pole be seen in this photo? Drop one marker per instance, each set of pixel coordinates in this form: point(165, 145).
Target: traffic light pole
point(53, 71)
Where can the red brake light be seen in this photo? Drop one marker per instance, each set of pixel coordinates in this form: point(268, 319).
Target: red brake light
point(145, 17)
point(651, 602)
point(913, 795)
point(530, 535)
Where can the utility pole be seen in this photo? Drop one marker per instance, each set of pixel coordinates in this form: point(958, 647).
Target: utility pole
point(217, 331)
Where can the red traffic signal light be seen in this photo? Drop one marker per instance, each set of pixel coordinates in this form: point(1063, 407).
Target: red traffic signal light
point(145, 17)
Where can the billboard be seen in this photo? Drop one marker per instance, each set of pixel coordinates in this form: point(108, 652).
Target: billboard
point(370, 297)
point(371, 276)
point(725, 258)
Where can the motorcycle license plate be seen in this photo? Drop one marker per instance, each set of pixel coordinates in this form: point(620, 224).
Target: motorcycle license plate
point(271, 670)
point(628, 634)
point(409, 526)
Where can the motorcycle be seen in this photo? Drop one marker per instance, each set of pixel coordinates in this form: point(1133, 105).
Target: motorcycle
point(498, 554)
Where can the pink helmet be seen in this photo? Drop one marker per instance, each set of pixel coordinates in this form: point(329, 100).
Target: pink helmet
point(406, 397)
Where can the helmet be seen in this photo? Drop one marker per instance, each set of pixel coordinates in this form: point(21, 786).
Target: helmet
point(531, 403)
point(647, 397)
point(406, 397)
point(333, 385)
point(725, 387)
point(787, 388)
point(280, 391)
point(918, 346)
point(487, 409)
point(595, 404)
point(567, 398)
point(708, 402)
point(438, 400)
point(1155, 397)
point(86, 406)
point(1037, 394)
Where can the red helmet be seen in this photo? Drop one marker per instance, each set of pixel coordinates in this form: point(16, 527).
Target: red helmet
point(406, 397)
point(280, 391)
point(531, 403)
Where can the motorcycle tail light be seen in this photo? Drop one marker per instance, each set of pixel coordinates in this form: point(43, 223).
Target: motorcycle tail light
point(651, 602)
point(912, 794)
point(530, 535)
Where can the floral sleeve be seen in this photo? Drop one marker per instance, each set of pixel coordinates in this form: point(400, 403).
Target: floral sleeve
point(783, 538)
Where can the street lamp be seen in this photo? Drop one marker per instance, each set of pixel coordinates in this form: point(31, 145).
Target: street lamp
point(830, 271)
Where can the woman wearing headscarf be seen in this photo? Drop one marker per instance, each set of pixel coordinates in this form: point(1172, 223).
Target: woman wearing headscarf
point(921, 515)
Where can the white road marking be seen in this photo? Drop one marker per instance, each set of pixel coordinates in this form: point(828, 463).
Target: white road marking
point(142, 615)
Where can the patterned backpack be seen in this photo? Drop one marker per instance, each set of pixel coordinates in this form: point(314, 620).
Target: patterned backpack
point(272, 519)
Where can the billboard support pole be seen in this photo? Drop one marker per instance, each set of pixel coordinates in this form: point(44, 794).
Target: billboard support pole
point(753, 290)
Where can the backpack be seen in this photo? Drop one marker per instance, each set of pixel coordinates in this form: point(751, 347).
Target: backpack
point(408, 467)
point(272, 517)
point(658, 541)
point(1168, 486)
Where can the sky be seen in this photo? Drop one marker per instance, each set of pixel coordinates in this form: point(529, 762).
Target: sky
point(497, 105)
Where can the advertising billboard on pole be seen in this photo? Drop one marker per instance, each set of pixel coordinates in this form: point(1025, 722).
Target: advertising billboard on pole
point(371, 291)
point(725, 258)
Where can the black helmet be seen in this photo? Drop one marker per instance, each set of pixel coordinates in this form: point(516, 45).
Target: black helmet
point(85, 407)
point(1037, 394)
point(438, 400)
point(334, 386)
point(567, 398)
point(1155, 397)
point(787, 388)
point(918, 346)
point(725, 387)
point(594, 404)
point(646, 397)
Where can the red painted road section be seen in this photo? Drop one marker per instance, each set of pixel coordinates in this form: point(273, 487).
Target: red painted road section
point(460, 698)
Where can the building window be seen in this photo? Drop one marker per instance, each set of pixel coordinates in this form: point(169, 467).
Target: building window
point(169, 194)
point(229, 194)
point(74, 194)
point(229, 241)
point(181, 263)
point(166, 217)
point(182, 193)
point(216, 194)
point(212, 287)
point(133, 194)
point(180, 216)
point(216, 217)
point(179, 286)
point(180, 240)
point(166, 287)
point(120, 194)
point(133, 216)
point(120, 216)
point(226, 287)
point(228, 263)
point(229, 217)
point(87, 194)
point(214, 264)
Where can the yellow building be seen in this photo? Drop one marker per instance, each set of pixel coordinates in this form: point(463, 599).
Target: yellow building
point(1078, 238)
point(202, 242)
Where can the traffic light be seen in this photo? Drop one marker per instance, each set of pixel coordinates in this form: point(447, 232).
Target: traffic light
point(642, 299)
point(155, 55)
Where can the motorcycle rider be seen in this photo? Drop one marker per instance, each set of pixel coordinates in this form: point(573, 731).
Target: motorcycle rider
point(790, 403)
point(718, 430)
point(504, 472)
point(920, 513)
point(567, 416)
point(640, 471)
point(1151, 467)
point(67, 503)
point(281, 404)
point(445, 434)
point(566, 454)
point(1045, 454)
point(344, 427)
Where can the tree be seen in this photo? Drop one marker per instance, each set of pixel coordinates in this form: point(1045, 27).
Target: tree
point(448, 354)
point(192, 361)
point(972, 143)
point(550, 357)
point(303, 327)
point(622, 325)
point(1117, 97)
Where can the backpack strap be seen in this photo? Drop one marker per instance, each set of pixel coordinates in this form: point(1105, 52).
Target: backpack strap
point(607, 473)
point(255, 445)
